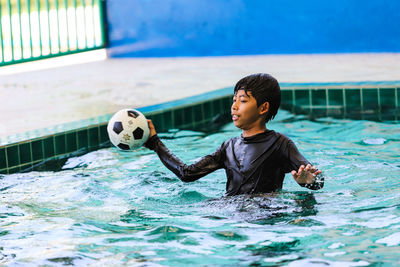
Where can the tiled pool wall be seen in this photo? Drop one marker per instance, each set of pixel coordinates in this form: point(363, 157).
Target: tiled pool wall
point(203, 112)
point(364, 103)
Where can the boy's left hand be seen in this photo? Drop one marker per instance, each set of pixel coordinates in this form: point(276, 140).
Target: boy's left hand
point(306, 175)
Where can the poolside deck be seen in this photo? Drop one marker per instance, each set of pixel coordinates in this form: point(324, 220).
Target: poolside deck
point(37, 99)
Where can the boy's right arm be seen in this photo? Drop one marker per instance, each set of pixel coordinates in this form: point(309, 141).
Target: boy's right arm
point(187, 173)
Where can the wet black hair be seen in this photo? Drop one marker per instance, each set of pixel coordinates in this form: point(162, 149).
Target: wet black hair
point(264, 88)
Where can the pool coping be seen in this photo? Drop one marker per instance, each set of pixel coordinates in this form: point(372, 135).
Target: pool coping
point(359, 100)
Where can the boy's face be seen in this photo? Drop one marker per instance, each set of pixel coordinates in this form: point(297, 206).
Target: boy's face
point(245, 113)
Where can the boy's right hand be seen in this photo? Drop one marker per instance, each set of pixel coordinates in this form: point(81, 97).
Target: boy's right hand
point(152, 129)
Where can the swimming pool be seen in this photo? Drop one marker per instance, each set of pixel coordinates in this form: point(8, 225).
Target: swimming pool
point(112, 208)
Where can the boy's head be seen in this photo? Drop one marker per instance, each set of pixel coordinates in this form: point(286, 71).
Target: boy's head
point(264, 88)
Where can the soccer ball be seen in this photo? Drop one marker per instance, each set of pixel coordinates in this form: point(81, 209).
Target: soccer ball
point(128, 129)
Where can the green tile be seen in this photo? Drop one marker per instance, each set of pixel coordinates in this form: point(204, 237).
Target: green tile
point(60, 144)
point(370, 98)
point(335, 112)
point(3, 171)
point(375, 116)
point(178, 117)
point(12, 156)
point(217, 106)
point(222, 105)
point(287, 97)
point(226, 104)
point(25, 167)
point(335, 97)
point(25, 153)
point(158, 122)
point(398, 97)
point(71, 144)
point(302, 97)
point(198, 112)
point(208, 110)
point(388, 116)
point(93, 136)
point(387, 97)
point(3, 163)
point(355, 114)
point(353, 98)
point(318, 97)
point(103, 133)
point(188, 116)
point(82, 138)
point(48, 145)
point(14, 170)
point(318, 112)
point(168, 119)
point(37, 150)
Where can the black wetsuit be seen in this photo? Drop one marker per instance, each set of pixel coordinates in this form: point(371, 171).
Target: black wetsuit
point(255, 164)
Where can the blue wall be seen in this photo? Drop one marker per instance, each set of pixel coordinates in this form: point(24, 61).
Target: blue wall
point(143, 28)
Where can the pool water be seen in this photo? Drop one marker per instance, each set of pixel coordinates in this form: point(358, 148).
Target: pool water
point(114, 208)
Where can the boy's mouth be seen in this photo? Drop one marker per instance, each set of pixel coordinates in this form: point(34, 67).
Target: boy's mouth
point(235, 117)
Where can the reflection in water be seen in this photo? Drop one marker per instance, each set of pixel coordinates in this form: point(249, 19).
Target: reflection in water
point(270, 208)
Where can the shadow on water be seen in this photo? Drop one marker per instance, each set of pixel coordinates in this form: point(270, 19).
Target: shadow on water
point(135, 216)
point(266, 209)
point(273, 250)
point(64, 261)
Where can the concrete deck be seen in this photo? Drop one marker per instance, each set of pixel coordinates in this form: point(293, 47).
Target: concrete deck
point(42, 98)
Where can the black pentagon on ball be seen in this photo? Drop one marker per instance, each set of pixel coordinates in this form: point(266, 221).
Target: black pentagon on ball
point(133, 113)
point(123, 146)
point(138, 133)
point(118, 127)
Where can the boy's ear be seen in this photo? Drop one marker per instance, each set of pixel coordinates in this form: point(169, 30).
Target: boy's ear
point(263, 108)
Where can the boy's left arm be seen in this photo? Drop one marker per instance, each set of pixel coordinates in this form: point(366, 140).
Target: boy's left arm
point(309, 176)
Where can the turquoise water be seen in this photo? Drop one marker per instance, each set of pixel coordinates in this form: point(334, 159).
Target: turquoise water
point(115, 208)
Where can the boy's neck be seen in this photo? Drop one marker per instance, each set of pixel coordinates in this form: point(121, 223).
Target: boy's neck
point(254, 131)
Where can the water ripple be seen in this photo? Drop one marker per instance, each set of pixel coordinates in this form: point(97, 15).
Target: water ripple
point(109, 207)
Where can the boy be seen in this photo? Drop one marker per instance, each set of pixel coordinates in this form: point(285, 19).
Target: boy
point(255, 162)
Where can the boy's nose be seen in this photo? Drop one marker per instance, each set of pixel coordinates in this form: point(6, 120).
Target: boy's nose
point(233, 107)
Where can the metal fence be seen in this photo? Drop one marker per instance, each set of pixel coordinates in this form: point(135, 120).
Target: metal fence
point(36, 29)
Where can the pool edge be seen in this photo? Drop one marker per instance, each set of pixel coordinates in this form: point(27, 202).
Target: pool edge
point(359, 100)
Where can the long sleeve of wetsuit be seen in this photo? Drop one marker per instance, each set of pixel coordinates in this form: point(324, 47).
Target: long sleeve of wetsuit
point(296, 159)
point(186, 173)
